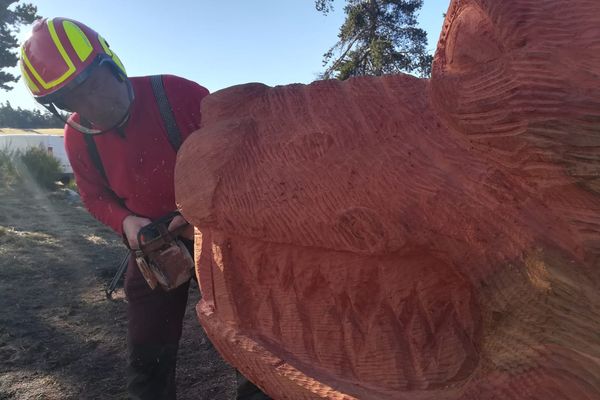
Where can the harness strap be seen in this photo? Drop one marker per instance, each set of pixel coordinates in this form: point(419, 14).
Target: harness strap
point(166, 113)
point(94, 155)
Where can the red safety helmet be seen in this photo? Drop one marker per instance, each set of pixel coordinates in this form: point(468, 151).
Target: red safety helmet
point(59, 55)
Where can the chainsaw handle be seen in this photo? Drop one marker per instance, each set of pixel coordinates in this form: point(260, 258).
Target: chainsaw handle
point(165, 219)
point(158, 228)
point(177, 231)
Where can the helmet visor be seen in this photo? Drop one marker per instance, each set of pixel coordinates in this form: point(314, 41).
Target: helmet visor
point(104, 98)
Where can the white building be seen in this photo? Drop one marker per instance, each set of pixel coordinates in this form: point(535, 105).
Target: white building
point(53, 144)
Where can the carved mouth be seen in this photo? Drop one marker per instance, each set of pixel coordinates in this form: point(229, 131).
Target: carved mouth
point(350, 316)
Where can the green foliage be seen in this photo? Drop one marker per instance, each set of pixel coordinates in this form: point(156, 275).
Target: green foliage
point(378, 37)
point(8, 172)
point(72, 185)
point(27, 119)
point(11, 18)
point(42, 166)
point(34, 165)
point(324, 6)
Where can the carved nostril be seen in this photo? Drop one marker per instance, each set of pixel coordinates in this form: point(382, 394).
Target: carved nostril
point(363, 230)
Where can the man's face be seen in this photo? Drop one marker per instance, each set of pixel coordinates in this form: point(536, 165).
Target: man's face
point(102, 99)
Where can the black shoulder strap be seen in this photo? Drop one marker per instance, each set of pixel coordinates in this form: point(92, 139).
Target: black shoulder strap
point(94, 155)
point(166, 111)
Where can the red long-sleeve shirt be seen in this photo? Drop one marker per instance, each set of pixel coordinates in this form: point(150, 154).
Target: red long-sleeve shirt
point(139, 166)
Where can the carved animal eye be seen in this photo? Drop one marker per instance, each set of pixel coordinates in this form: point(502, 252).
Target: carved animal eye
point(471, 40)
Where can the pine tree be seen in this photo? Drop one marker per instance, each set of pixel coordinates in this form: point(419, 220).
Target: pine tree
point(20, 118)
point(11, 18)
point(378, 37)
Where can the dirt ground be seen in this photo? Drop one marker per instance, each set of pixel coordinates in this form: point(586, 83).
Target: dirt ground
point(60, 338)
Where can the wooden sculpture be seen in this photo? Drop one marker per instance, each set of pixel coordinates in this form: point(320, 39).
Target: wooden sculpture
point(402, 238)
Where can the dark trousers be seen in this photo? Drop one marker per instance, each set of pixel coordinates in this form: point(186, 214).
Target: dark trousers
point(247, 390)
point(155, 320)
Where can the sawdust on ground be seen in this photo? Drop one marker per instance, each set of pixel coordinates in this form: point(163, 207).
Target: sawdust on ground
point(60, 338)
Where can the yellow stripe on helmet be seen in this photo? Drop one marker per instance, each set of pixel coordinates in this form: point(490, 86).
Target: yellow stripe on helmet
point(104, 45)
point(63, 53)
point(108, 51)
point(80, 42)
point(118, 62)
point(30, 84)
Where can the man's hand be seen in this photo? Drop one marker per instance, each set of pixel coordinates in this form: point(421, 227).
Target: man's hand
point(131, 226)
point(187, 233)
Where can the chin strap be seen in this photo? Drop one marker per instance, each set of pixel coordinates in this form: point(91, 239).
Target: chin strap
point(88, 130)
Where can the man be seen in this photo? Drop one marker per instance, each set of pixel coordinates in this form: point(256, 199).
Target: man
point(123, 157)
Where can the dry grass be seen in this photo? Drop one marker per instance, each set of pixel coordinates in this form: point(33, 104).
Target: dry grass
point(49, 131)
point(60, 338)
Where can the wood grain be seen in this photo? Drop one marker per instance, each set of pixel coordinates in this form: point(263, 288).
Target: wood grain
point(402, 238)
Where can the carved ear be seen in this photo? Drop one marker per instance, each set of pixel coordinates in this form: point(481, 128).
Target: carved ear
point(520, 79)
point(480, 32)
point(471, 86)
point(468, 40)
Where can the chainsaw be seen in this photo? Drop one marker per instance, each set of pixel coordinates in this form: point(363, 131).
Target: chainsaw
point(162, 258)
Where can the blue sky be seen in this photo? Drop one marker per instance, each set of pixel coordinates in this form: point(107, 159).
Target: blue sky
point(217, 43)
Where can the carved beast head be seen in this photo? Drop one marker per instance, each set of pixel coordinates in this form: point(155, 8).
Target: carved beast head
point(401, 238)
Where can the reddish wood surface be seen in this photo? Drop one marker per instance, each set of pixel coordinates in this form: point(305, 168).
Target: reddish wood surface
point(403, 238)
